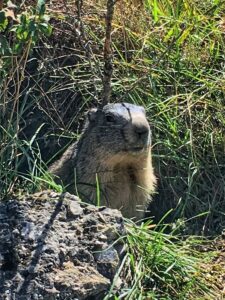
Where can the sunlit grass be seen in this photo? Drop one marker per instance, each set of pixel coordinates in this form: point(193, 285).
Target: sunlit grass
point(162, 266)
point(169, 57)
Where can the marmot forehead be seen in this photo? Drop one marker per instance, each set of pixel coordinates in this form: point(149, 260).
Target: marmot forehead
point(123, 109)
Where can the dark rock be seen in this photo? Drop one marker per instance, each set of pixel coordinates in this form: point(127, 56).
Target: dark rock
point(54, 247)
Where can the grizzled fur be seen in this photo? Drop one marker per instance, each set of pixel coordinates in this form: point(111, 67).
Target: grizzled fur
point(115, 151)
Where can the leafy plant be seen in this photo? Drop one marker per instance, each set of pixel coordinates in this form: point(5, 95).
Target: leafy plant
point(20, 31)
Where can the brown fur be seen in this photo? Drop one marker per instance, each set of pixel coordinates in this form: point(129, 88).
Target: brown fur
point(116, 152)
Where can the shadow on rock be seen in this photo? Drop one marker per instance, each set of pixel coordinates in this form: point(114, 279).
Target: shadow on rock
point(54, 247)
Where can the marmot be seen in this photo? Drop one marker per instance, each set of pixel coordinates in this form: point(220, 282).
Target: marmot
point(113, 154)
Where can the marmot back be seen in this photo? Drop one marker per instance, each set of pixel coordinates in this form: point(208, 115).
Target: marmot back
point(112, 160)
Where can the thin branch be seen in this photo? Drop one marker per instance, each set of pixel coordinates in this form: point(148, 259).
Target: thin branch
point(108, 67)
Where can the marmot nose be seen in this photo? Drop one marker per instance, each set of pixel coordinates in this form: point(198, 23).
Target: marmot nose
point(142, 131)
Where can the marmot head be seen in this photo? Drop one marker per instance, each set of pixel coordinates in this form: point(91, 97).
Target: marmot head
point(120, 128)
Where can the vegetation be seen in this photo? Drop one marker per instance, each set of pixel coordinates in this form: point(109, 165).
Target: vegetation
point(169, 57)
point(19, 34)
point(177, 72)
point(160, 266)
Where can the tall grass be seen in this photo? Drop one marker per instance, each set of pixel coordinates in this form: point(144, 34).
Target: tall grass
point(169, 57)
point(17, 97)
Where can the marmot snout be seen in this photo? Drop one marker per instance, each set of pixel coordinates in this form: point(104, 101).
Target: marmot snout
point(115, 151)
point(138, 133)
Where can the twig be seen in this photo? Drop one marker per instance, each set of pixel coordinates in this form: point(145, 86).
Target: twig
point(108, 67)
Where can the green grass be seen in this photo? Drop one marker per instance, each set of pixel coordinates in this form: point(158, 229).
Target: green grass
point(162, 266)
point(168, 57)
point(177, 73)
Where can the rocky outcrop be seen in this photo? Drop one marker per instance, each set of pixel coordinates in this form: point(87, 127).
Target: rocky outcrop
point(54, 247)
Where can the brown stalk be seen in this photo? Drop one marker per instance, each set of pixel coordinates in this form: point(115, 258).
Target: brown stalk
point(108, 66)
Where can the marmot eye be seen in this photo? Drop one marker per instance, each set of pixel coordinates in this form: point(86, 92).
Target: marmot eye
point(110, 118)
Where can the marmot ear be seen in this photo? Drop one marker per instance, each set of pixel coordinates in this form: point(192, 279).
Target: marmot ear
point(92, 114)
